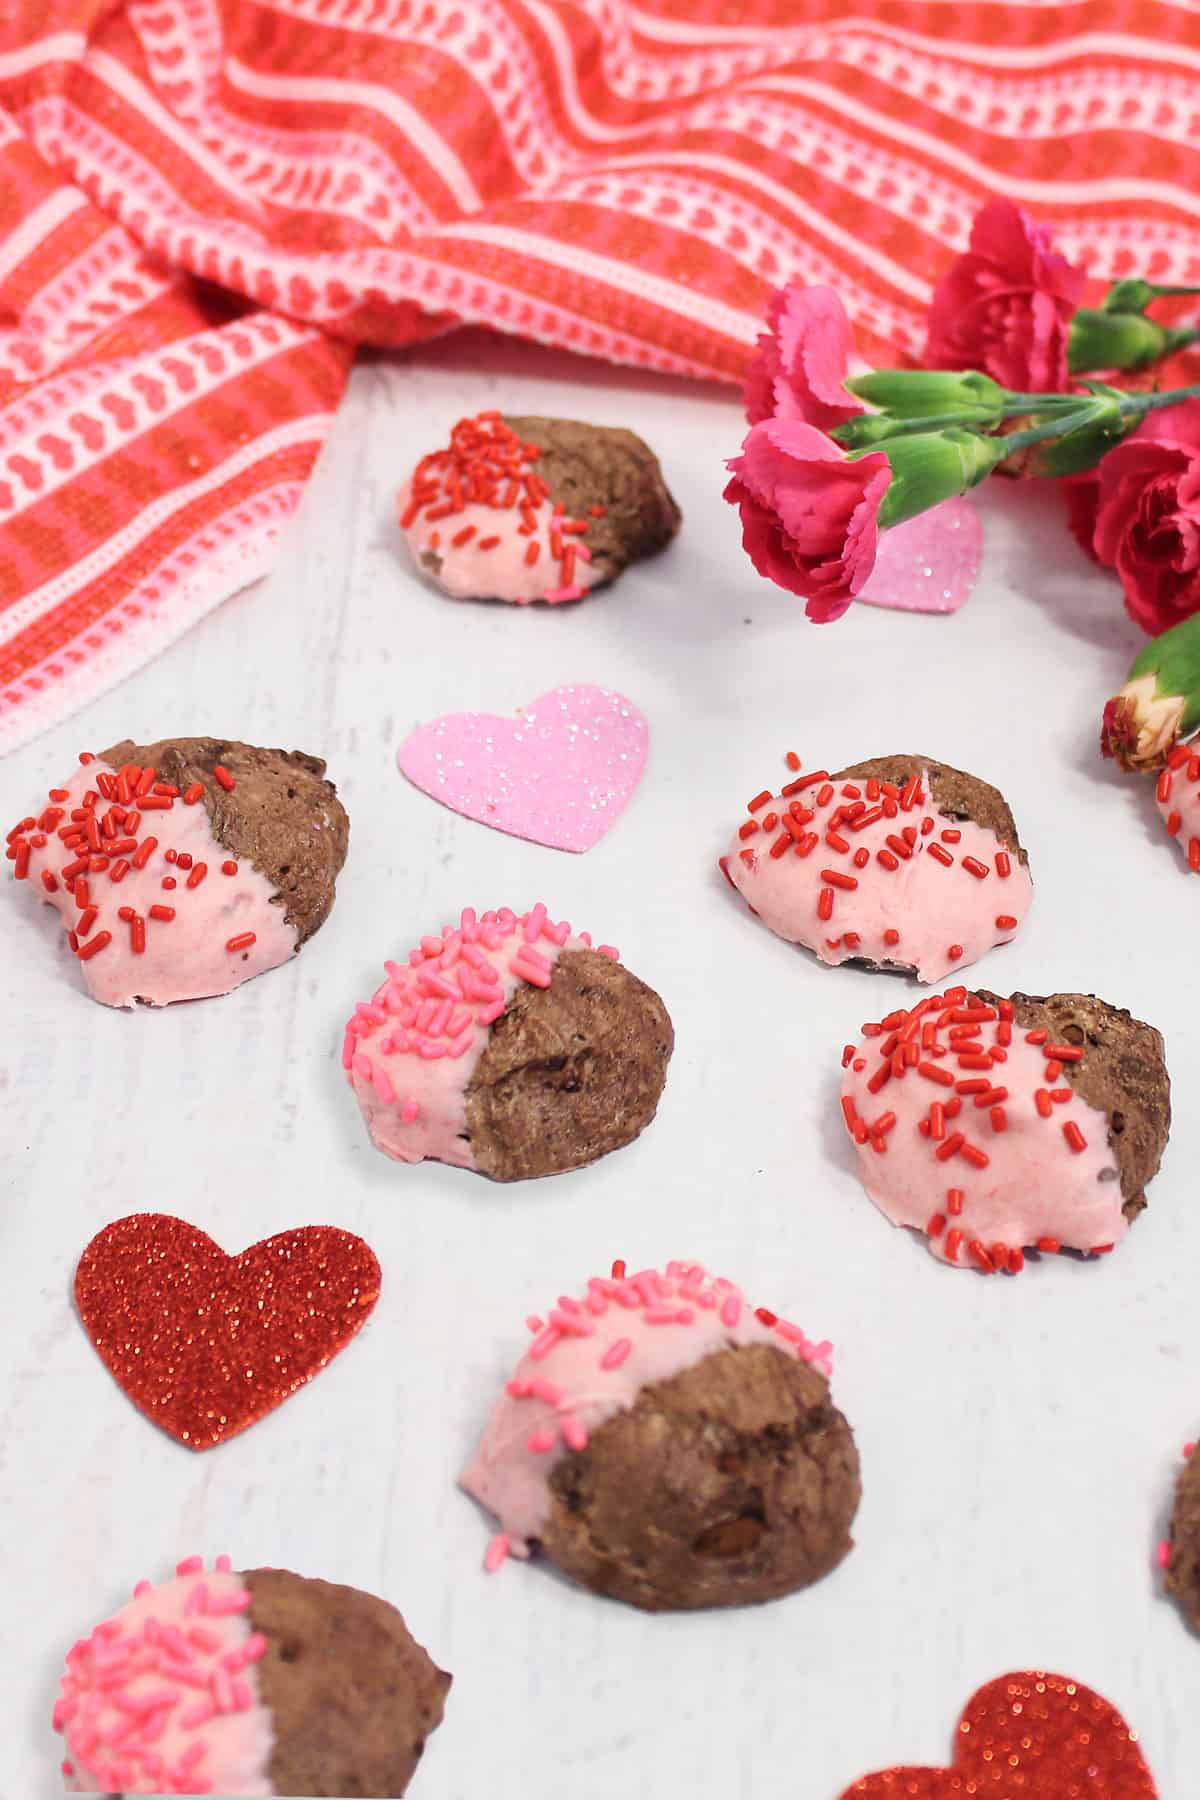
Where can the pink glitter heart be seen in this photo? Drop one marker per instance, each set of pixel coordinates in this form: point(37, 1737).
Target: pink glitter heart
point(928, 564)
point(559, 773)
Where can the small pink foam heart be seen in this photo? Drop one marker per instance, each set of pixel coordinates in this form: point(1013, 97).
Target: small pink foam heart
point(929, 563)
point(559, 773)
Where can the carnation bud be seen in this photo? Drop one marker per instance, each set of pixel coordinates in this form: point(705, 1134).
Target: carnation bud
point(1160, 701)
point(931, 466)
point(1119, 340)
point(917, 393)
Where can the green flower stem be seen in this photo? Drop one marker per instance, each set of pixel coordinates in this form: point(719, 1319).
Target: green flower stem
point(1091, 412)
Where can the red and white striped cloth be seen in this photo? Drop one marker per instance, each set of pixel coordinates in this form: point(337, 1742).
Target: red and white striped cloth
point(204, 204)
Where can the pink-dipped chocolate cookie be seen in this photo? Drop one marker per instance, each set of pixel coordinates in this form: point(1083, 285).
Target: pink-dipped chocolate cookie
point(527, 509)
point(250, 1685)
point(183, 868)
point(899, 862)
point(669, 1445)
point(508, 1045)
point(997, 1126)
point(1178, 797)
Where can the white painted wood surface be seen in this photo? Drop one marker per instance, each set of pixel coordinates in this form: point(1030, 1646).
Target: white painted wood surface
point(1018, 1438)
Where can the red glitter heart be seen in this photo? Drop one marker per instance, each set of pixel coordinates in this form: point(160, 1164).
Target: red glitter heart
point(206, 1343)
point(1028, 1736)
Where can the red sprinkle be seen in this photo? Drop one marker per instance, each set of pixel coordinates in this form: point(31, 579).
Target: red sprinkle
point(1074, 1136)
point(1003, 864)
point(940, 855)
point(221, 774)
point(976, 868)
point(954, 952)
point(758, 800)
point(194, 793)
point(243, 940)
point(197, 875)
point(94, 946)
point(229, 868)
point(165, 913)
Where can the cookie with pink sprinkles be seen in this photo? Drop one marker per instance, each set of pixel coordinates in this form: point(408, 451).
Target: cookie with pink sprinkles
point(900, 862)
point(509, 1045)
point(246, 1685)
point(526, 509)
point(998, 1126)
point(667, 1444)
point(182, 868)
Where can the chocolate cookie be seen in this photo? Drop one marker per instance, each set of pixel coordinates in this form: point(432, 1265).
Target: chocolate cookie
point(1182, 1561)
point(352, 1695)
point(996, 1126)
point(668, 1446)
point(899, 862)
point(185, 867)
point(256, 1684)
point(278, 812)
point(508, 1046)
point(523, 509)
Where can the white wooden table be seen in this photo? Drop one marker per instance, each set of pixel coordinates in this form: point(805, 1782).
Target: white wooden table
point(1019, 1438)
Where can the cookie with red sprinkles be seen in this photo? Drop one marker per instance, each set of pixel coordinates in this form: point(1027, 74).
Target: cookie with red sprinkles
point(510, 1045)
point(523, 509)
point(245, 1685)
point(183, 868)
point(998, 1126)
point(1178, 797)
point(668, 1444)
point(901, 862)
point(1179, 1555)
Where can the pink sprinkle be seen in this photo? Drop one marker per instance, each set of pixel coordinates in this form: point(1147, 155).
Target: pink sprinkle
point(384, 1088)
point(193, 1565)
point(410, 1112)
point(1162, 1554)
point(254, 1647)
point(572, 1327)
point(363, 1065)
point(430, 1050)
point(243, 1696)
point(534, 921)
point(201, 1638)
point(199, 1715)
point(1187, 1450)
point(222, 1690)
point(547, 1391)
point(540, 1442)
point(143, 1587)
point(197, 1601)
point(609, 950)
point(544, 1343)
point(519, 1390)
point(497, 1551)
point(731, 1311)
point(616, 1353)
point(574, 1434)
point(534, 1324)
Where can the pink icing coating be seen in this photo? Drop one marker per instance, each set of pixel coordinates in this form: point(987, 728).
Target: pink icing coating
point(410, 1051)
point(502, 572)
point(910, 886)
point(979, 1140)
point(163, 1698)
point(185, 958)
point(1178, 798)
point(588, 1360)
